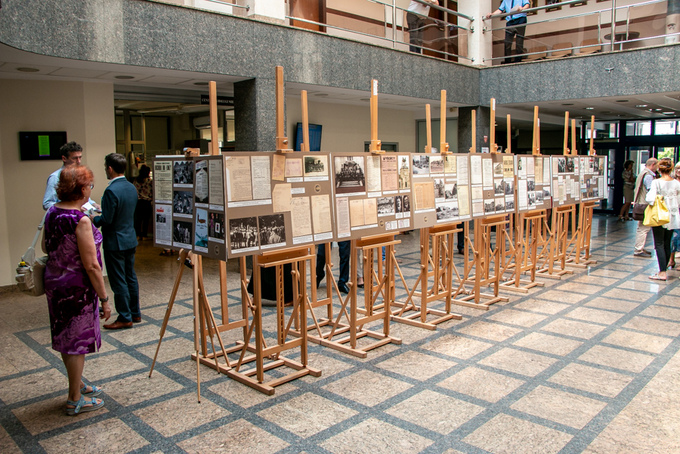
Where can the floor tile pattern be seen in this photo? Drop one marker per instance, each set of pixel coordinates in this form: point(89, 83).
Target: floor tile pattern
point(588, 363)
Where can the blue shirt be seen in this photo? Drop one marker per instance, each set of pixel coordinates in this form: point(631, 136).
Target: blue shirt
point(508, 5)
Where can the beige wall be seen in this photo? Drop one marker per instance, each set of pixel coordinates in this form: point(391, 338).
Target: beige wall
point(346, 128)
point(85, 111)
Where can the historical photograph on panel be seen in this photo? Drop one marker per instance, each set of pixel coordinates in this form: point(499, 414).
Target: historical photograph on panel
point(509, 204)
point(531, 196)
point(500, 205)
point(386, 206)
point(489, 206)
point(436, 164)
point(183, 172)
point(498, 169)
point(272, 230)
point(539, 197)
point(202, 185)
point(406, 206)
point(398, 204)
point(570, 167)
point(531, 184)
point(421, 164)
point(181, 233)
point(508, 187)
point(243, 233)
point(451, 191)
point(183, 203)
point(216, 226)
point(447, 211)
point(499, 187)
point(316, 166)
point(561, 165)
point(350, 176)
point(404, 172)
point(201, 235)
point(439, 188)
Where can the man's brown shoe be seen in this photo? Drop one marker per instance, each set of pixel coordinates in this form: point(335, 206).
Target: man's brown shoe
point(136, 319)
point(118, 325)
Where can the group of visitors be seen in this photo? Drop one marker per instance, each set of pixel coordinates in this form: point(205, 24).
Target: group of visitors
point(74, 283)
point(658, 178)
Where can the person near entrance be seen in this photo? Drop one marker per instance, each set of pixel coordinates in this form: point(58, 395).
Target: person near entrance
point(120, 241)
point(515, 27)
point(643, 184)
point(416, 15)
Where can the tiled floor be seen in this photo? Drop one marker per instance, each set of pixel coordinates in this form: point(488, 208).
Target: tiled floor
point(588, 363)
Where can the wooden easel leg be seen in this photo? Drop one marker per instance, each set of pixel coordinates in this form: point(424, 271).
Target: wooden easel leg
point(182, 257)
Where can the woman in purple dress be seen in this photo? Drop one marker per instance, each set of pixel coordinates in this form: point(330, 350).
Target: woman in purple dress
point(73, 282)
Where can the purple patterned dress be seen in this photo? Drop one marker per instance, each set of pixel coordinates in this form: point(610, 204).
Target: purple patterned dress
point(72, 301)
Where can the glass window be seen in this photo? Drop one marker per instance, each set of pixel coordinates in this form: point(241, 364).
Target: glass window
point(639, 128)
point(666, 127)
point(665, 152)
point(604, 130)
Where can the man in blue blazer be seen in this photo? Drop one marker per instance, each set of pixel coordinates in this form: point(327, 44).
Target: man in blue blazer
point(120, 241)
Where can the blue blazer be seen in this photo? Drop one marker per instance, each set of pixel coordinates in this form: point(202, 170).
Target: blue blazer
point(118, 214)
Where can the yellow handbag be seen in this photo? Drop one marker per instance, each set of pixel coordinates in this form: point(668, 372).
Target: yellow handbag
point(657, 214)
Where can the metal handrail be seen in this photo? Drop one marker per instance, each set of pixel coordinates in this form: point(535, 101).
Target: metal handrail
point(446, 10)
point(614, 8)
point(246, 7)
point(320, 24)
point(531, 10)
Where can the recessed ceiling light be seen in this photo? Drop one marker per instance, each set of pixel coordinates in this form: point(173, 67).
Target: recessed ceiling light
point(590, 108)
point(365, 99)
point(200, 83)
point(122, 77)
point(669, 113)
point(25, 69)
point(568, 104)
point(657, 110)
point(321, 95)
point(641, 105)
point(621, 100)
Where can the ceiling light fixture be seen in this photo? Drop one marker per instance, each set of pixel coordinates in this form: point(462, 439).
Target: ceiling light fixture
point(590, 108)
point(200, 83)
point(621, 100)
point(641, 105)
point(568, 104)
point(123, 77)
point(25, 69)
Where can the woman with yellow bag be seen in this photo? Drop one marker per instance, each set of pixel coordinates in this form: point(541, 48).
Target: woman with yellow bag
point(662, 214)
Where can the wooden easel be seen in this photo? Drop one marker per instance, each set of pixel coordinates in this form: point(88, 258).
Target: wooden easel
point(526, 226)
point(555, 234)
point(527, 238)
point(580, 255)
point(436, 259)
point(481, 254)
point(254, 377)
point(204, 320)
point(317, 330)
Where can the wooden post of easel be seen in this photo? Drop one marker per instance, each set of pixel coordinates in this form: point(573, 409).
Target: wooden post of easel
point(443, 144)
point(492, 127)
point(282, 143)
point(439, 257)
point(580, 255)
point(508, 148)
point(315, 332)
point(375, 145)
point(297, 258)
point(558, 231)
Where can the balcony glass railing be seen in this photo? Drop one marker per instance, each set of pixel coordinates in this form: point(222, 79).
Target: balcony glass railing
point(575, 27)
point(444, 34)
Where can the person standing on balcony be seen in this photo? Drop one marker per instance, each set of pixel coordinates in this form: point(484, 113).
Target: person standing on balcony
point(416, 15)
point(516, 26)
